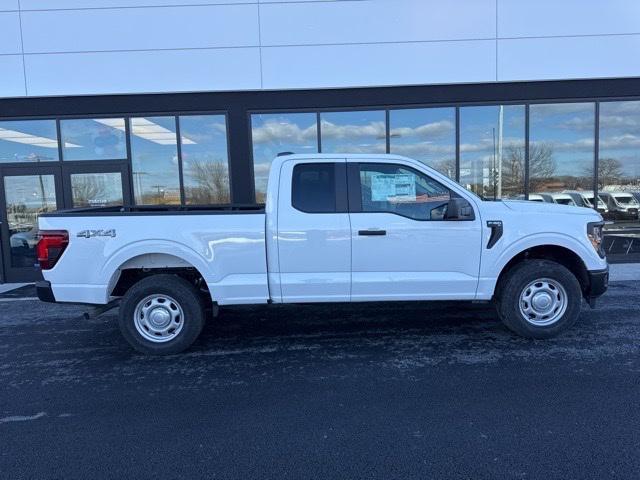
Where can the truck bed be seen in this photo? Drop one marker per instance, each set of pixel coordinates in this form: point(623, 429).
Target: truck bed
point(225, 244)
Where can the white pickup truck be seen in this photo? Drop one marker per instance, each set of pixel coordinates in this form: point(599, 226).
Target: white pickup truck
point(335, 228)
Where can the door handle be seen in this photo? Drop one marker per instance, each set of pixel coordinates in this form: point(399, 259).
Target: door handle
point(372, 233)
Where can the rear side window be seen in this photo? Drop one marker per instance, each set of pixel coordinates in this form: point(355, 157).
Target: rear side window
point(314, 187)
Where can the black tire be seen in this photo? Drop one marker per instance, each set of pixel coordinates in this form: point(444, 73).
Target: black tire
point(521, 276)
point(187, 299)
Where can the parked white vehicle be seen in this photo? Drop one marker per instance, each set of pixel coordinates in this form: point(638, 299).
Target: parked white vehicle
point(621, 205)
point(583, 198)
point(336, 228)
point(562, 199)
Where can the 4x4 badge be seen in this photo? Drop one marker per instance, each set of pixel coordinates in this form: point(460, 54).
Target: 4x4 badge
point(97, 233)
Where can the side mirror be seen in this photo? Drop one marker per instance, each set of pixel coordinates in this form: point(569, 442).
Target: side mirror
point(459, 209)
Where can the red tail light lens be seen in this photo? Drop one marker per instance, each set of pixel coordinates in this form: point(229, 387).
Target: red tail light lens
point(51, 245)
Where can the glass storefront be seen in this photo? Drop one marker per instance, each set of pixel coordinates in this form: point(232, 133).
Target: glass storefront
point(578, 153)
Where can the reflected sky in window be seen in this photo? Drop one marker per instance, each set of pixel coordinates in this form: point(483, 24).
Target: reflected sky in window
point(275, 133)
point(426, 134)
point(620, 140)
point(492, 150)
point(353, 132)
point(562, 141)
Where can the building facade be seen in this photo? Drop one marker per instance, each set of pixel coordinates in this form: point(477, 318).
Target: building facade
point(154, 102)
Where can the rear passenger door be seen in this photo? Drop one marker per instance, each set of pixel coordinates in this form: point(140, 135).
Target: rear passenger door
point(314, 233)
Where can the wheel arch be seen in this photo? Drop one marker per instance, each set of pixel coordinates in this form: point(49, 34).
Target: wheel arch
point(553, 252)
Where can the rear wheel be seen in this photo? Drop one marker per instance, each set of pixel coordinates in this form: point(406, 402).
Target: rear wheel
point(539, 299)
point(161, 315)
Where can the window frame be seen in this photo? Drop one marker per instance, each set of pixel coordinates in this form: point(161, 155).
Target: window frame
point(355, 190)
point(340, 187)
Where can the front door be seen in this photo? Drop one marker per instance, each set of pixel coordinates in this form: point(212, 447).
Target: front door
point(402, 246)
point(314, 235)
point(24, 195)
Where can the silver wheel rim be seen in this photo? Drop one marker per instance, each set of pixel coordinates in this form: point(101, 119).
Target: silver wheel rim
point(158, 318)
point(543, 302)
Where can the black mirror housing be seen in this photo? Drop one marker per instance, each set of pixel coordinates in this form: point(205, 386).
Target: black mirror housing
point(459, 209)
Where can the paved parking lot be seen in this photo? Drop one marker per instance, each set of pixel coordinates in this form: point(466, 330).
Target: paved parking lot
point(365, 391)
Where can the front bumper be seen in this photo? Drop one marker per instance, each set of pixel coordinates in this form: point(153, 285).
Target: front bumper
point(44, 291)
point(598, 284)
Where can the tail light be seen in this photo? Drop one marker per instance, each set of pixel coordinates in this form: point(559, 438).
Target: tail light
point(51, 245)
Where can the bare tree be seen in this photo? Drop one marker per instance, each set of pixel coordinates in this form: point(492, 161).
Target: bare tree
point(609, 172)
point(210, 182)
point(86, 190)
point(542, 167)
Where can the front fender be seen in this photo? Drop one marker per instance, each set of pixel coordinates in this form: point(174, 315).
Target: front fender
point(492, 266)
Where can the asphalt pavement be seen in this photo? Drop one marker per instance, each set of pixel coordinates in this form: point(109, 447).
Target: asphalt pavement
point(403, 390)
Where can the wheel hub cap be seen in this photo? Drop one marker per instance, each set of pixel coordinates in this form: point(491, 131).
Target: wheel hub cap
point(543, 302)
point(158, 318)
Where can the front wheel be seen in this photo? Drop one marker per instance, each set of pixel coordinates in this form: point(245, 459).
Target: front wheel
point(161, 315)
point(539, 299)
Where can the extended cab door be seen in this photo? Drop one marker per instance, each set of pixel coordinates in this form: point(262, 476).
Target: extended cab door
point(403, 248)
point(314, 234)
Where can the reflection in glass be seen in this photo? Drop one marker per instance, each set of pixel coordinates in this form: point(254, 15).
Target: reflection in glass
point(561, 147)
point(619, 176)
point(154, 158)
point(96, 189)
point(27, 196)
point(426, 134)
point(492, 150)
point(353, 132)
point(276, 133)
point(97, 139)
point(28, 141)
point(204, 159)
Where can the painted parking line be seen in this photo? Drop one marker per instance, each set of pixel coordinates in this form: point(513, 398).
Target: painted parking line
point(21, 299)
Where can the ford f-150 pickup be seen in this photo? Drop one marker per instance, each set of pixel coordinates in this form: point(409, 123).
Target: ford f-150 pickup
point(335, 228)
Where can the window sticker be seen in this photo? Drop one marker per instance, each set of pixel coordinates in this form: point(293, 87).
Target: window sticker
point(400, 187)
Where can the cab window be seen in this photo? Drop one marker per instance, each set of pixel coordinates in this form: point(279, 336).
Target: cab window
point(403, 191)
point(314, 187)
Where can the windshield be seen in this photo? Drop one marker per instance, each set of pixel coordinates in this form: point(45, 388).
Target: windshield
point(565, 201)
point(625, 200)
point(588, 201)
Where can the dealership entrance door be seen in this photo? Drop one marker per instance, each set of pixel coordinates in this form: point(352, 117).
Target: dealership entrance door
point(27, 192)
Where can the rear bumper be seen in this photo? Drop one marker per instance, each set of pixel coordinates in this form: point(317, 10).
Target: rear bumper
point(44, 291)
point(598, 284)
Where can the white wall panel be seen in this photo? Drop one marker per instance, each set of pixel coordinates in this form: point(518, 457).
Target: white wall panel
point(380, 64)
point(12, 78)
point(138, 72)
point(140, 28)
point(310, 23)
point(539, 18)
point(8, 5)
point(66, 4)
point(571, 57)
point(10, 32)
